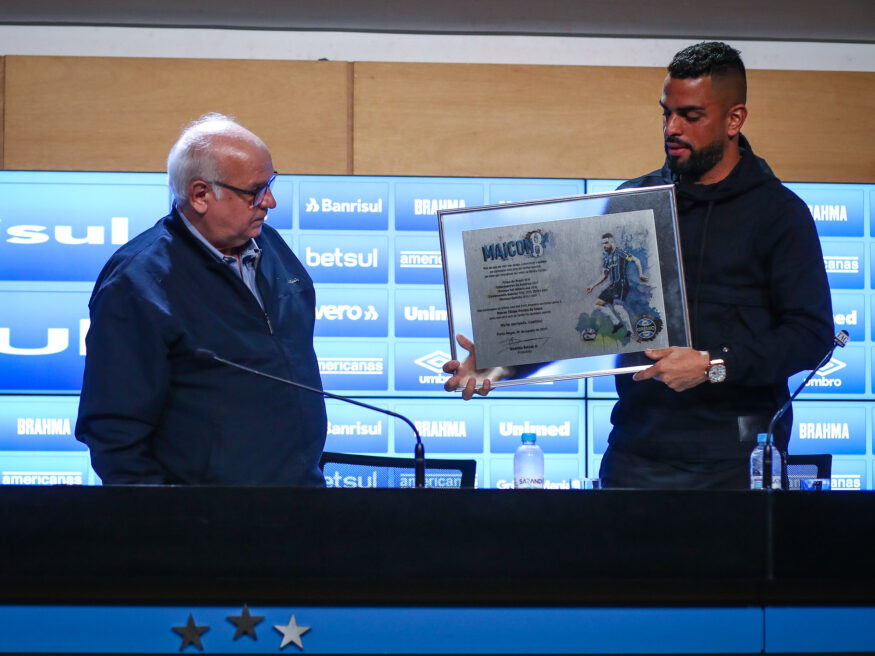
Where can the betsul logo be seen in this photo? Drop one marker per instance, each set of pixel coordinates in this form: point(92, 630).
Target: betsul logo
point(42, 340)
point(57, 341)
point(346, 259)
point(31, 234)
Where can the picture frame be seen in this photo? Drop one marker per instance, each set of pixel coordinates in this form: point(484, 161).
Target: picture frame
point(565, 288)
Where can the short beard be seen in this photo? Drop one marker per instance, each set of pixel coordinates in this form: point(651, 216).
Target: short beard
point(699, 162)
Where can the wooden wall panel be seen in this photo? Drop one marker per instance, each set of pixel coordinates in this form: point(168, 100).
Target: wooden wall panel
point(502, 120)
point(123, 114)
point(84, 113)
point(456, 119)
point(814, 125)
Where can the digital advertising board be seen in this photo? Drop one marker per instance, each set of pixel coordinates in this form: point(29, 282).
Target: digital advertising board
point(371, 245)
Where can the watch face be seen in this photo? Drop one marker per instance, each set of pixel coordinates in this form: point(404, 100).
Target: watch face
point(717, 373)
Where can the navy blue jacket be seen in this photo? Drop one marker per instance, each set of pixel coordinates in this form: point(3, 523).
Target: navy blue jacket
point(152, 412)
point(757, 294)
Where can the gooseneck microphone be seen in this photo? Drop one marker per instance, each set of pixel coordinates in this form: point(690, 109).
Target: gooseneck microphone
point(840, 340)
point(419, 450)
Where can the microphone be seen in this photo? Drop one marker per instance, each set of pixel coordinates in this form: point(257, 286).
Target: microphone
point(418, 451)
point(840, 340)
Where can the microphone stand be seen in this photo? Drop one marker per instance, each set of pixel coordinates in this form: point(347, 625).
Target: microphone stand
point(419, 449)
point(841, 338)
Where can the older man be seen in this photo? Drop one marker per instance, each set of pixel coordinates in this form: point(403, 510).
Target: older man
point(209, 276)
point(759, 301)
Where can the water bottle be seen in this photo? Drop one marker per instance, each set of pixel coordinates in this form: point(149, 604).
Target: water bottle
point(756, 465)
point(528, 464)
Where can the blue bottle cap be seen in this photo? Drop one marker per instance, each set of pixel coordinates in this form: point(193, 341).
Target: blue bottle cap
point(529, 437)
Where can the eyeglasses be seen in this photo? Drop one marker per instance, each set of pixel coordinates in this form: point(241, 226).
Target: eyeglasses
point(257, 193)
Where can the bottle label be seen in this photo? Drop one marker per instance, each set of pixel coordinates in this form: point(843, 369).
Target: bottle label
point(528, 483)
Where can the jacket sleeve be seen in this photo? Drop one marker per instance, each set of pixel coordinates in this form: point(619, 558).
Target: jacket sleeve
point(799, 329)
point(124, 387)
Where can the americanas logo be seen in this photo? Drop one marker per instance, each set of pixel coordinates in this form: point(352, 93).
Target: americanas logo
point(418, 260)
point(351, 313)
point(843, 262)
point(353, 365)
point(346, 259)
point(417, 203)
point(66, 232)
point(44, 468)
point(42, 341)
point(843, 375)
point(344, 204)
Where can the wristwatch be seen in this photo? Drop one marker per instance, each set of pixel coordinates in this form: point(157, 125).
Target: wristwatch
point(716, 370)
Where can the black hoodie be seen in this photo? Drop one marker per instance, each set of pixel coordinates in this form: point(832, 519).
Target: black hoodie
point(757, 296)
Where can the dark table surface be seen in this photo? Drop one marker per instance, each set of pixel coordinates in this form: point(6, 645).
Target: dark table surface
point(434, 547)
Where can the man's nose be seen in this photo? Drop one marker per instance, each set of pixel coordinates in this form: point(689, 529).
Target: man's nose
point(268, 201)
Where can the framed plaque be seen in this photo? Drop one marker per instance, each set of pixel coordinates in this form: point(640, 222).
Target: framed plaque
point(566, 287)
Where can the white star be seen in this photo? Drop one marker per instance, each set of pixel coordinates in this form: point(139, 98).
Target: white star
point(292, 633)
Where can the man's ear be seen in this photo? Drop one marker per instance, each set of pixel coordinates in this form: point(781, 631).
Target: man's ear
point(735, 119)
point(200, 194)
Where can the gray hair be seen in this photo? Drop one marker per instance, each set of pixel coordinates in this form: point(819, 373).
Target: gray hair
point(193, 156)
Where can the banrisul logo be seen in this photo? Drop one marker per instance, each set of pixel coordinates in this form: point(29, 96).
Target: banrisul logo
point(343, 204)
point(351, 312)
point(417, 203)
point(837, 210)
point(67, 231)
point(354, 430)
point(345, 259)
point(42, 341)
